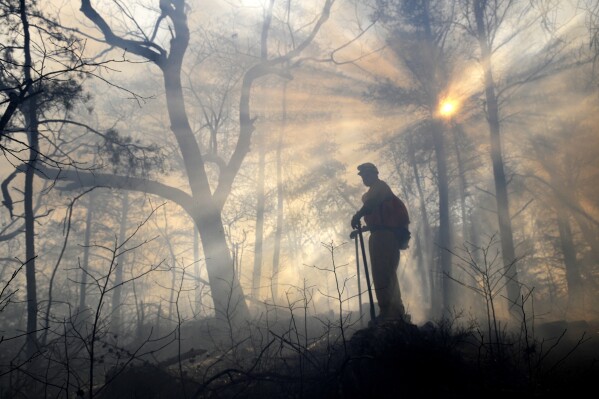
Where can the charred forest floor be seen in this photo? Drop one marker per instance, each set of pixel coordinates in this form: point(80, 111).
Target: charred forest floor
point(389, 359)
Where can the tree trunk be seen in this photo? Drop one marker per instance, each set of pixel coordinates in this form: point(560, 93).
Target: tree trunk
point(171, 301)
point(227, 294)
point(429, 270)
point(456, 130)
point(229, 302)
point(120, 262)
point(86, 250)
point(31, 127)
point(279, 228)
point(424, 269)
point(468, 230)
point(492, 108)
point(196, 268)
point(573, 275)
point(30, 236)
point(432, 81)
point(444, 237)
point(589, 233)
point(259, 237)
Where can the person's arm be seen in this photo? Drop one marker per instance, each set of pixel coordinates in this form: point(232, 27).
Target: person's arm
point(370, 205)
point(372, 200)
point(366, 209)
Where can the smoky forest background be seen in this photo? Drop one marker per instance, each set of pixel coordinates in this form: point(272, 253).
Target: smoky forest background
point(178, 179)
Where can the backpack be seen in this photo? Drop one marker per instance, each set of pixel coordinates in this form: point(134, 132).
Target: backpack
point(394, 212)
point(394, 215)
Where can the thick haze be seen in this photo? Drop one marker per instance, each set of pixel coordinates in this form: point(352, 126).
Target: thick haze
point(348, 98)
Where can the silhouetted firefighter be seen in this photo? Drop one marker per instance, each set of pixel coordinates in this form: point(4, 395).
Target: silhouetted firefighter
point(387, 219)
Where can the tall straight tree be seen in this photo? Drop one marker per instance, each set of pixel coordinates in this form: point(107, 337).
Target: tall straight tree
point(276, 257)
point(86, 250)
point(259, 236)
point(31, 128)
point(119, 267)
point(260, 196)
point(417, 35)
point(488, 17)
point(557, 182)
point(496, 26)
point(203, 204)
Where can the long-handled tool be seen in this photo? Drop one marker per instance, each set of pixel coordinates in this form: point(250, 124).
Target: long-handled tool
point(372, 316)
point(359, 279)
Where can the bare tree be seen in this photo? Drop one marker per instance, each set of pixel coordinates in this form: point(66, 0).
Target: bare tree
point(203, 204)
point(494, 25)
point(483, 13)
point(31, 87)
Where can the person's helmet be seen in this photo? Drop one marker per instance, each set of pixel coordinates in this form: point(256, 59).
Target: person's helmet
point(367, 168)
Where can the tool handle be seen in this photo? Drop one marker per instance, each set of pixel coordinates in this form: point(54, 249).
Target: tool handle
point(372, 313)
point(359, 280)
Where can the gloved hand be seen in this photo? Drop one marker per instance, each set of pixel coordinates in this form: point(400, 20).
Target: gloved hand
point(355, 221)
point(353, 234)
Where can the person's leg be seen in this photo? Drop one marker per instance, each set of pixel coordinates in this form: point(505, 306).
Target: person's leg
point(384, 258)
point(396, 308)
